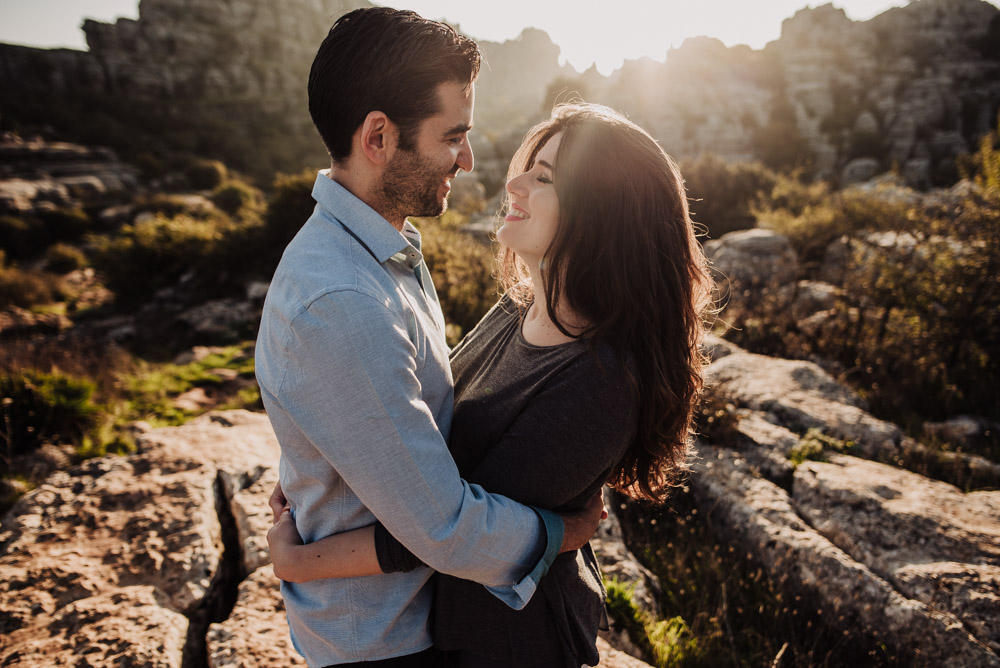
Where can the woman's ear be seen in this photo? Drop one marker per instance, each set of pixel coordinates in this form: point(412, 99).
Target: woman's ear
point(379, 137)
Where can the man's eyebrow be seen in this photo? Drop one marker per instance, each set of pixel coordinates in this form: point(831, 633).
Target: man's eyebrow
point(459, 129)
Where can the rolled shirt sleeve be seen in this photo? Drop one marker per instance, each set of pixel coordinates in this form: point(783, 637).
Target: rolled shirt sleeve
point(352, 389)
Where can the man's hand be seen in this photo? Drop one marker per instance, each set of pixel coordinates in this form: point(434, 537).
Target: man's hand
point(277, 502)
point(581, 525)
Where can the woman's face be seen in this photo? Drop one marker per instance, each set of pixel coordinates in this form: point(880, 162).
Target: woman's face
point(533, 215)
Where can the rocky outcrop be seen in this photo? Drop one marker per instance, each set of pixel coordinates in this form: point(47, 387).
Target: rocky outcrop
point(37, 176)
point(158, 558)
point(752, 259)
point(905, 559)
point(763, 518)
point(144, 528)
point(916, 85)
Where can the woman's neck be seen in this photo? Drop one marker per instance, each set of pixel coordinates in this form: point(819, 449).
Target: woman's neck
point(538, 328)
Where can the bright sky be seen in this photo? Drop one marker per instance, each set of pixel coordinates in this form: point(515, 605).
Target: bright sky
point(606, 34)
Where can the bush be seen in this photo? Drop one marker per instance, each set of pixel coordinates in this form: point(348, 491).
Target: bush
point(150, 255)
point(462, 269)
point(22, 238)
point(65, 224)
point(63, 258)
point(722, 195)
point(206, 174)
point(44, 407)
point(234, 196)
point(289, 208)
point(173, 205)
point(27, 288)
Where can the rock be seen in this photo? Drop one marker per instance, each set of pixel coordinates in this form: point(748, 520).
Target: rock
point(248, 495)
point(19, 322)
point(149, 519)
point(753, 258)
point(962, 430)
point(221, 319)
point(808, 297)
point(256, 632)
point(197, 354)
point(860, 169)
point(256, 291)
point(194, 400)
point(126, 627)
point(614, 658)
point(618, 562)
point(715, 347)
point(760, 517)
point(801, 396)
point(932, 542)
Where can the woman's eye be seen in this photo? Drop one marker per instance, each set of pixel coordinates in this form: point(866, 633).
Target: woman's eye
point(544, 179)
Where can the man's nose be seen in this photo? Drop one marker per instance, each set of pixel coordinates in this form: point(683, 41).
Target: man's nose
point(465, 158)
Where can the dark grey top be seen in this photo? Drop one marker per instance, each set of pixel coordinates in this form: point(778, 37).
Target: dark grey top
point(543, 426)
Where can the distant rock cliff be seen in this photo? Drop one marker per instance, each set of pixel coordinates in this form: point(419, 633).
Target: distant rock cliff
point(913, 87)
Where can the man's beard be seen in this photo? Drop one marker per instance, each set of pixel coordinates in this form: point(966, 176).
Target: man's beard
point(410, 187)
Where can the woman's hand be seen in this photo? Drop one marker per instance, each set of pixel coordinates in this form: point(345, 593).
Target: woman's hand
point(284, 542)
point(277, 502)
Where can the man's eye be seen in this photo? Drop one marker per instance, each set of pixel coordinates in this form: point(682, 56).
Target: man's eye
point(456, 140)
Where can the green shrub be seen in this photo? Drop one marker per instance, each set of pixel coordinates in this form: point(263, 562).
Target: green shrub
point(462, 270)
point(43, 407)
point(206, 174)
point(150, 255)
point(233, 196)
point(65, 224)
point(172, 205)
point(22, 238)
point(27, 288)
point(63, 258)
point(288, 209)
point(722, 195)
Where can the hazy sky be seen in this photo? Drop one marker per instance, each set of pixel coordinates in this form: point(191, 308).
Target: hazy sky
point(620, 29)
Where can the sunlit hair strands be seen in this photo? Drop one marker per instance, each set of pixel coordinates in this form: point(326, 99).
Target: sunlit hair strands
point(388, 60)
point(626, 261)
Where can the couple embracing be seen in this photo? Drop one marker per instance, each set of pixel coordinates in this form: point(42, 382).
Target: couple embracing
point(434, 505)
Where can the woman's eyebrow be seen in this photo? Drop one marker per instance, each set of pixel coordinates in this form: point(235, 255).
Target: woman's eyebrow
point(546, 165)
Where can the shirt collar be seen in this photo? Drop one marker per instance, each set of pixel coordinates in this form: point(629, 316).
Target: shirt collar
point(373, 230)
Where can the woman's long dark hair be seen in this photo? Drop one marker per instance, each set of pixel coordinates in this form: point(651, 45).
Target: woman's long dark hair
point(625, 259)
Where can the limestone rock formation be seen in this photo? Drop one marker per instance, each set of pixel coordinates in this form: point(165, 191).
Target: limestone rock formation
point(753, 258)
point(763, 518)
point(916, 85)
point(906, 559)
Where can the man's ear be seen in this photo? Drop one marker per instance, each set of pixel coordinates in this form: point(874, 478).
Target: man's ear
point(379, 136)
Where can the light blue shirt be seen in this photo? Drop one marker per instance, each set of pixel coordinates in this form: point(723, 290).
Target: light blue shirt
point(353, 370)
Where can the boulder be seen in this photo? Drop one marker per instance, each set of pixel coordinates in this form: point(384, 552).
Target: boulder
point(804, 298)
point(761, 517)
point(127, 627)
point(860, 169)
point(220, 319)
point(255, 635)
point(932, 542)
point(801, 396)
point(753, 258)
point(151, 520)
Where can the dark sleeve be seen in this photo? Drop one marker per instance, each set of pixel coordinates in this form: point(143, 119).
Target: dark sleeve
point(392, 556)
point(562, 446)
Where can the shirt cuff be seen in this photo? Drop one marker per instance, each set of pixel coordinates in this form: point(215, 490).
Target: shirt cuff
point(517, 595)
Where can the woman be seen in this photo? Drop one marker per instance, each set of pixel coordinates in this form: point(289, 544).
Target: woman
point(584, 373)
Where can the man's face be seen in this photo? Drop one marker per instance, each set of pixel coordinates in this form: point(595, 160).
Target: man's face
point(416, 182)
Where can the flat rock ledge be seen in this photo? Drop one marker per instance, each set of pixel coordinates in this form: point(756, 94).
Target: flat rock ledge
point(157, 559)
point(894, 555)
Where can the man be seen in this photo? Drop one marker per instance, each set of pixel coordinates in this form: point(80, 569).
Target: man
point(352, 360)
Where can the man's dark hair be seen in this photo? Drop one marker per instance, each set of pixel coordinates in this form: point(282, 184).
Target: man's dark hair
point(388, 60)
